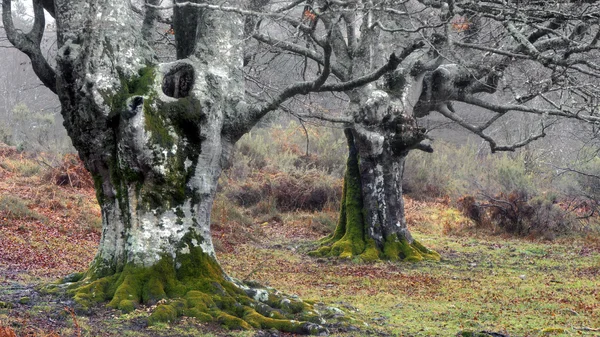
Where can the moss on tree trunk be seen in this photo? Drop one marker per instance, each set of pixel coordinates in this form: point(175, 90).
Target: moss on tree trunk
point(351, 239)
point(194, 285)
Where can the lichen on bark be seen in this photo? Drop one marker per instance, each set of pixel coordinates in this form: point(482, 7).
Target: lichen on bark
point(353, 236)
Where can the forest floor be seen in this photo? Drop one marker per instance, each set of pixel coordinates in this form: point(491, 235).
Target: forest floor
point(484, 282)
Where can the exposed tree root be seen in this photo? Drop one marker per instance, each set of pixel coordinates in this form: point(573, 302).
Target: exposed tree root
point(196, 288)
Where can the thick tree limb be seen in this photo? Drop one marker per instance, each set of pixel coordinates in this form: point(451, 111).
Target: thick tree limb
point(392, 64)
point(29, 43)
point(48, 6)
point(150, 17)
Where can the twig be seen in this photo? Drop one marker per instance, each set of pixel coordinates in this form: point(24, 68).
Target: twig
point(77, 327)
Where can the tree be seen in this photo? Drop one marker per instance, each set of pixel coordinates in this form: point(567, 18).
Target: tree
point(535, 58)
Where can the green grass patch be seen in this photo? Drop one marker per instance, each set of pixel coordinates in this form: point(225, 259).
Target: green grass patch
point(517, 287)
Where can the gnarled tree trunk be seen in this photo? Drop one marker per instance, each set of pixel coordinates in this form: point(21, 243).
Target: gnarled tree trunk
point(155, 137)
point(372, 223)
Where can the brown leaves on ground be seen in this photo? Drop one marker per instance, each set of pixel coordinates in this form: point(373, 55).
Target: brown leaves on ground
point(59, 232)
point(7, 332)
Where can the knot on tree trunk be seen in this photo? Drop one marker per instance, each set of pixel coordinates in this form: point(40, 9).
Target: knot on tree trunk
point(405, 133)
point(179, 81)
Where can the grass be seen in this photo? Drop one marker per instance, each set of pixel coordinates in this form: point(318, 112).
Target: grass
point(485, 281)
point(23, 166)
point(16, 208)
point(482, 283)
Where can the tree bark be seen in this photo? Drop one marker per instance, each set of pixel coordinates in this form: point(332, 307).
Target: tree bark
point(372, 223)
point(155, 137)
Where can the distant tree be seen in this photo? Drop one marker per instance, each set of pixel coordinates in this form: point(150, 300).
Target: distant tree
point(28, 110)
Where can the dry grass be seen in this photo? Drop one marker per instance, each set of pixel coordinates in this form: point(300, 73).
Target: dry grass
point(485, 281)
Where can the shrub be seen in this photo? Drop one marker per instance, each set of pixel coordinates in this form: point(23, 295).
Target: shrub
point(470, 208)
point(449, 171)
point(70, 172)
point(22, 166)
point(15, 208)
point(454, 171)
point(517, 213)
point(6, 150)
point(272, 172)
point(311, 191)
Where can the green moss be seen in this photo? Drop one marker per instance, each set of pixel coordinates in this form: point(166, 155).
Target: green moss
point(472, 334)
point(6, 305)
point(321, 251)
point(129, 290)
point(163, 313)
point(199, 315)
point(134, 86)
point(552, 330)
point(153, 290)
point(350, 240)
point(126, 306)
point(93, 292)
point(158, 126)
point(186, 115)
point(194, 285)
point(73, 277)
point(261, 322)
point(427, 253)
point(371, 252)
point(400, 249)
point(231, 322)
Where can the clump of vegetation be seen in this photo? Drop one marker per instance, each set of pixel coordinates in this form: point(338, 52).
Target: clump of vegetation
point(504, 192)
point(15, 208)
point(309, 190)
point(21, 165)
point(519, 214)
point(70, 172)
point(272, 171)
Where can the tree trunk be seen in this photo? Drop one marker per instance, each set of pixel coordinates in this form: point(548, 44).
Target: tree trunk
point(155, 137)
point(372, 224)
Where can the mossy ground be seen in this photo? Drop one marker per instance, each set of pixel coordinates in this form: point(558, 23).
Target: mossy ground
point(196, 288)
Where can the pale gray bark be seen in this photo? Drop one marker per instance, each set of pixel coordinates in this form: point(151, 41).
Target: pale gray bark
point(155, 148)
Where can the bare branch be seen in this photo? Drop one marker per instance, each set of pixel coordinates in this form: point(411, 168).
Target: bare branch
point(301, 88)
point(503, 108)
point(297, 49)
point(30, 43)
point(186, 6)
point(447, 111)
point(323, 117)
point(392, 64)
